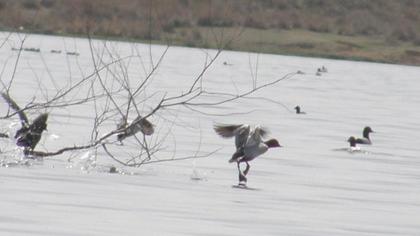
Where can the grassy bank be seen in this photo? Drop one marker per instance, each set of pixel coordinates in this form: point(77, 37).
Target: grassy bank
point(373, 30)
point(303, 43)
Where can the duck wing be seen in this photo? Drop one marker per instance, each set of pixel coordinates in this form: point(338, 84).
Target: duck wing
point(39, 124)
point(29, 135)
point(263, 131)
point(22, 116)
point(226, 131)
point(363, 141)
point(255, 137)
point(138, 124)
point(143, 125)
point(240, 132)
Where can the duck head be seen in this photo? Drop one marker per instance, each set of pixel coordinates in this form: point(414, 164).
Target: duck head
point(352, 141)
point(366, 131)
point(271, 143)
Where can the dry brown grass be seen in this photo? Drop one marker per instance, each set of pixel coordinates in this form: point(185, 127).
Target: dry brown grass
point(182, 20)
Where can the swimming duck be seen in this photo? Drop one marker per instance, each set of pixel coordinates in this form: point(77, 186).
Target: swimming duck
point(138, 124)
point(298, 111)
point(365, 139)
point(29, 134)
point(352, 140)
point(248, 142)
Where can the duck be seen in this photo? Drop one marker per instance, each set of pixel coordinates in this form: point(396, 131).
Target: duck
point(365, 139)
point(352, 140)
point(138, 124)
point(72, 53)
point(248, 142)
point(55, 51)
point(298, 111)
point(29, 134)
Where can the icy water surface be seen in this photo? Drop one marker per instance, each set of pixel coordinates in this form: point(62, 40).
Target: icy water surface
point(311, 186)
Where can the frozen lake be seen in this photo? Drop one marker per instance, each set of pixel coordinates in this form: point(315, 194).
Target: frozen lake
point(311, 186)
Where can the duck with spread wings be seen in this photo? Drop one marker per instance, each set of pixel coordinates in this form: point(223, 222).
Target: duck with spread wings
point(249, 144)
point(29, 134)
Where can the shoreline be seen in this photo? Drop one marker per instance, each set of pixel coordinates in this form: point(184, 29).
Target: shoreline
point(280, 51)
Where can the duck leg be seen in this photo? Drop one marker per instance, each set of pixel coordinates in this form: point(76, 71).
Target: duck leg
point(247, 168)
point(242, 177)
point(26, 151)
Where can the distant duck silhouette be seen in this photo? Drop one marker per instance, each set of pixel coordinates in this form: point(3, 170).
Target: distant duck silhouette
point(298, 111)
point(29, 134)
point(138, 124)
point(365, 139)
point(32, 49)
point(248, 143)
point(72, 53)
point(321, 70)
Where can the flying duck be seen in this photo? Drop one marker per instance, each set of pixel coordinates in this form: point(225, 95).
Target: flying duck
point(365, 139)
point(138, 124)
point(29, 134)
point(248, 143)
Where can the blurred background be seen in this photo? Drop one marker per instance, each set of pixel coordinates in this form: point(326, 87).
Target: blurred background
point(368, 30)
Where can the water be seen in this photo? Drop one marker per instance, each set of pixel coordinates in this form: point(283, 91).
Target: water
point(311, 186)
